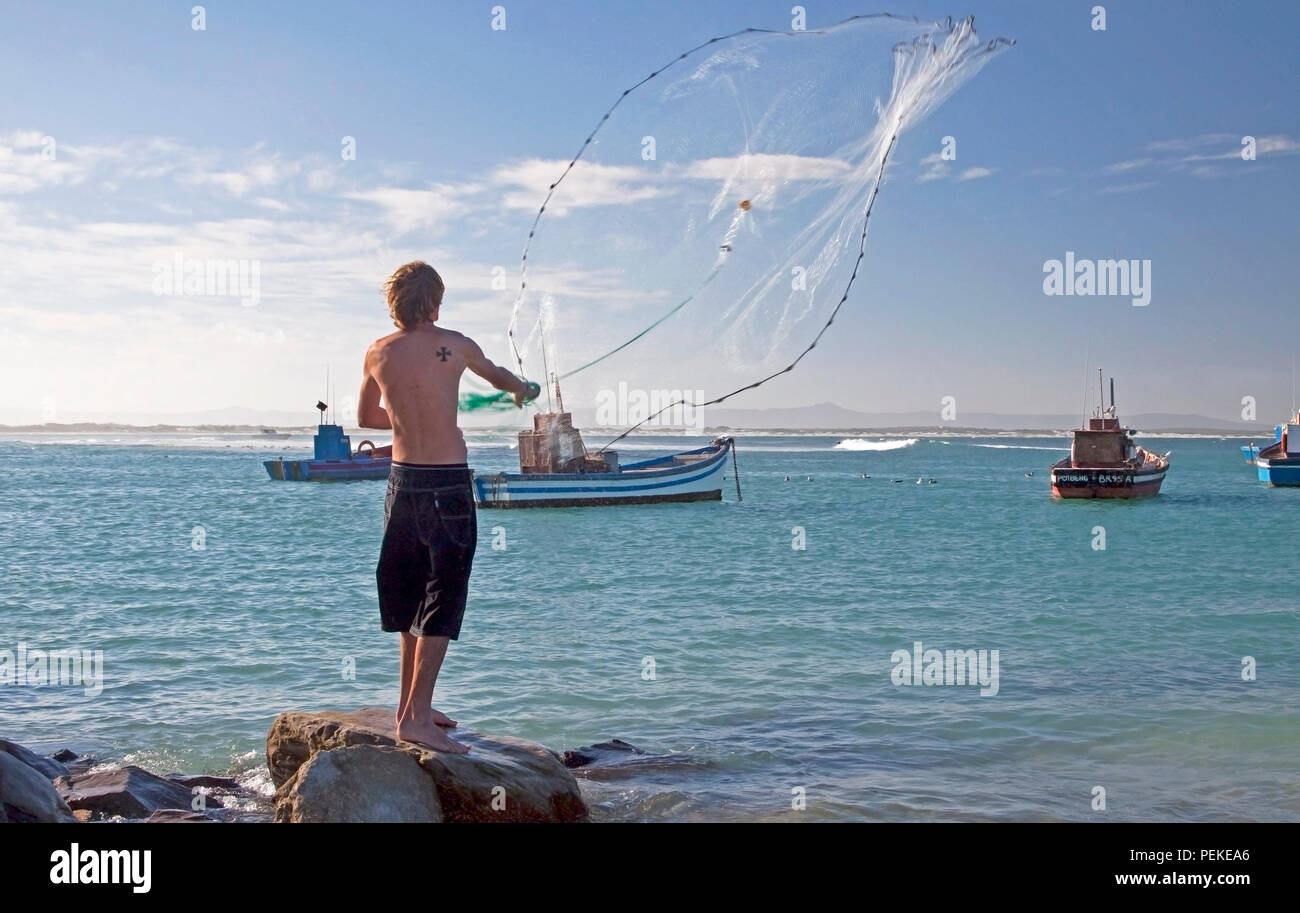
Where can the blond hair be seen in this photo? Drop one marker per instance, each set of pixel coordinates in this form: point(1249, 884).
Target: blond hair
point(414, 292)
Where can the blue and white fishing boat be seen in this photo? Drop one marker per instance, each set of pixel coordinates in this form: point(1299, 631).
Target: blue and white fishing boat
point(556, 470)
point(334, 459)
point(1279, 462)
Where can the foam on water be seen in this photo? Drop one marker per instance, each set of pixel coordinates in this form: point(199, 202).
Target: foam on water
point(857, 443)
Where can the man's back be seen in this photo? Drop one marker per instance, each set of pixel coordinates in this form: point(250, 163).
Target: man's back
point(418, 372)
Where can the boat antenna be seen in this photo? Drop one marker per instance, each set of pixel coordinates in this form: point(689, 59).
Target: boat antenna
point(546, 372)
point(1086, 359)
point(1101, 392)
point(1112, 396)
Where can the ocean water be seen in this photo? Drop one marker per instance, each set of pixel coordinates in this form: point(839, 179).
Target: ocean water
point(759, 677)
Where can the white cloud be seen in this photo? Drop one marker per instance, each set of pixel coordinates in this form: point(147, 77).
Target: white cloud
point(1196, 156)
point(761, 166)
point(588, 184)
point(939, 169)
point(407, 210)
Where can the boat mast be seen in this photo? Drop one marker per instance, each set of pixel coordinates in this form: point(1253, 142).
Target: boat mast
point(1101, 395)
point(1112, 396)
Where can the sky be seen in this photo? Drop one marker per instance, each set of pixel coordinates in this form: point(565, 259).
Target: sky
point(129, 138)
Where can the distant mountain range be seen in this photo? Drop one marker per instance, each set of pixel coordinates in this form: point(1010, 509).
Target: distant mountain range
point(819, 417)
point(828, 416)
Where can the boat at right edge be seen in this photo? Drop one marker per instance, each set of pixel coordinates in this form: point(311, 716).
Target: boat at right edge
point(1279, 463)
point(1104, 461)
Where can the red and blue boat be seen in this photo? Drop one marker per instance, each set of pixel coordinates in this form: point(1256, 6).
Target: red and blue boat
point(1279, 463)
point(333, 459)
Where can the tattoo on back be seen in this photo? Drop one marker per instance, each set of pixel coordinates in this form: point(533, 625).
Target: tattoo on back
point(443, 354)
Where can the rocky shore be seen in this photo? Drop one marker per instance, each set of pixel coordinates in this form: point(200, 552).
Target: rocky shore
point(328, 766)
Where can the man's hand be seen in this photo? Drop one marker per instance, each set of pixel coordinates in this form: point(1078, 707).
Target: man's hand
point(529, 393)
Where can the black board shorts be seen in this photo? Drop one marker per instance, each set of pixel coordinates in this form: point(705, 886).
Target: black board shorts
point(430, 534)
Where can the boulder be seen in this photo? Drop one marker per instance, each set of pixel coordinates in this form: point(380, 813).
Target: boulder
point(501, 779)
point(178, 816)
point(613, 751)
point(131, 792)
point(27, 796)
point(49, 768)
point(189, 781)
point(359, 784)
point(618, 760)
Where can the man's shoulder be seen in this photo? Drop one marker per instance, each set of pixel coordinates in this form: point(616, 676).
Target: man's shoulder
point(457, 338)
point(383, 341)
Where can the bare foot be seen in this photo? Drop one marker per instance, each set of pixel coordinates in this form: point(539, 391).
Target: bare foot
point(439, 718)
point(430, 735)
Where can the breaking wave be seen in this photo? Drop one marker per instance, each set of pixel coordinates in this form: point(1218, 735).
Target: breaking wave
point(858, 443)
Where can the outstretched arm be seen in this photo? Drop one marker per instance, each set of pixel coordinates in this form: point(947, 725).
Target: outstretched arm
point(494, 374)
point(369, 413)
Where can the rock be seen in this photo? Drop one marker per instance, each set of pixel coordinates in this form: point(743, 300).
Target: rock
point(49, 768)
point(64, 755)
point(359, 784)
point(614, 750)
point(617, 759)
point(27, 796)
point(131, 792)
point(178, 816)
point(189, 781)
point(501, 779)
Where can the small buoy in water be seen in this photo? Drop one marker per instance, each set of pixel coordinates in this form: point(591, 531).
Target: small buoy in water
point(1029, 474)
point(787, 478)
point(865, 476)
point(744, 205)
point(934, 481)
point(919, 480)
point(810, 478)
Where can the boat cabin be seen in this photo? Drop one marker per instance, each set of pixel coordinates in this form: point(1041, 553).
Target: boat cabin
point(555, 446)
point(1102, 442)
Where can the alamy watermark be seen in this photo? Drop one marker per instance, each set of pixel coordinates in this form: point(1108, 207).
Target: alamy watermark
point(67, 668)
point(654, 408)
point(240, 279)
point(950, 667)
point(1124, 278)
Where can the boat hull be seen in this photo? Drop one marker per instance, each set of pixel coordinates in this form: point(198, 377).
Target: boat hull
point(1085, 482)
point(692, 476)
point(328, 470)
point(1284, 473)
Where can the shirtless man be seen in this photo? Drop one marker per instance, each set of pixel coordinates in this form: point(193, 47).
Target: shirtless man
point(430, 531)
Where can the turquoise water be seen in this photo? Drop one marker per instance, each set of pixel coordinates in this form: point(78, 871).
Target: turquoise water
point(772, 666)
